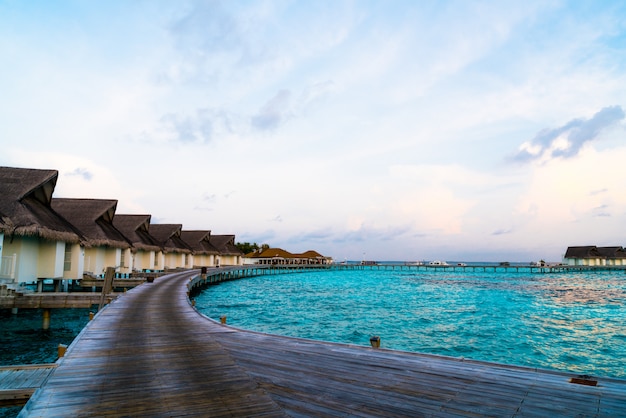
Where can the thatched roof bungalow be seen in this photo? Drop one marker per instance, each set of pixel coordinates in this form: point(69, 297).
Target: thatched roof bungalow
point(204, 253)
point(175, 252)
point(105, 245)
point(586, 255)
point(282, 257)
point(35, 241)
point(145, 248)
point(613, 256)
point(229, 254)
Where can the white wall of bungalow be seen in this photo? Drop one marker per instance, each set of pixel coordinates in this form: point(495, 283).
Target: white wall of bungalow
point(73, 261)
point(97, 259)
point(144, 260)
point(35, 258)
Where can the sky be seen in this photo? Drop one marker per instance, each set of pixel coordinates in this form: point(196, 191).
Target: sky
point(379, 130)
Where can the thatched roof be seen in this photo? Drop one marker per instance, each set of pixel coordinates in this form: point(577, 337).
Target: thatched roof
point(612, 252)
point(94, 219)
point(136, 229)
point(225, 244)
point(280, 253)
point(270, 253)
point(25, 196)
point(168, 236)
point(199, 242)
point(310, 254)
point(586, 251)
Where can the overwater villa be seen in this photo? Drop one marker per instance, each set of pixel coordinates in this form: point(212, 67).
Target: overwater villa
point(145, 248)
point(42, 237)
point(104, 245)
point(203, 252)
point(278, 256)
point(35, 241)
point(590, 255)
point(229, 255)
point(176, 253)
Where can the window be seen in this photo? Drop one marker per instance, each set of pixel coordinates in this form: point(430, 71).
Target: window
point(67, 261)
point(123, 253)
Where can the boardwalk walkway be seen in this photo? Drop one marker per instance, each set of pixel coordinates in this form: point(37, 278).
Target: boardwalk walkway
point(18, 383)
point(150, 354)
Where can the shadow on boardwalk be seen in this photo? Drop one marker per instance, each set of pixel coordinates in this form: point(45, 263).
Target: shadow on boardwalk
point(151, 354)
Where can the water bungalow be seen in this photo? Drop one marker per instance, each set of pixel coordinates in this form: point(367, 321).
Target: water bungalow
point(203, 252)
point(278, 256)
point(590, 255)
point(104, 245)
point(35, 241)
point(229, 254)
point(42, 237)
point(175, 252)
point(144, 247)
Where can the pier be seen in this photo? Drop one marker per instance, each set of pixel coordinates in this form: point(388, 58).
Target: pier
point(492, 268)
point(150, 353)
point(18, 383)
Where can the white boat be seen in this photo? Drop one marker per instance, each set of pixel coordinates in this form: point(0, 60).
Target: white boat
point(437, 263)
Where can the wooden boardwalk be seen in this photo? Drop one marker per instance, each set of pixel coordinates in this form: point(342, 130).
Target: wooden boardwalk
point(150, 354)
point(18, 383)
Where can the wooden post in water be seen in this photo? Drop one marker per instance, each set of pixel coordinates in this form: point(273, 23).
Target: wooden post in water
point(61, 349)
point(46, 319)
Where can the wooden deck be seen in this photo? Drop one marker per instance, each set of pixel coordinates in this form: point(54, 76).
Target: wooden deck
point(150, 354)
point(18, 383)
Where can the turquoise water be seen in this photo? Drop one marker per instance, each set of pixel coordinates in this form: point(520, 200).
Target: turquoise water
point(570, 322)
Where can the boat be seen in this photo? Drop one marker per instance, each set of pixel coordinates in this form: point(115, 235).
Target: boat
point(437, 263)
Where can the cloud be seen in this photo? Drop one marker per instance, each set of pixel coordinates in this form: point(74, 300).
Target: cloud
point(274, 112)
point(367, 233)
point(209, 197)
point(81, 172)
point(201, 126)
point(502, 232)
point(599, 191)
point(567, 140)
point(601, 211)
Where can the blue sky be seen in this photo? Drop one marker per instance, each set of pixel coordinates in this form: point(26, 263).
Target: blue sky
point(389, 130)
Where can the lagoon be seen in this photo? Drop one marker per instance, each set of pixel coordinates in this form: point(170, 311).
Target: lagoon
point(570, 321)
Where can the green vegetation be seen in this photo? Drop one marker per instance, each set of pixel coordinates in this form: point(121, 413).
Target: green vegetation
point(247, 248)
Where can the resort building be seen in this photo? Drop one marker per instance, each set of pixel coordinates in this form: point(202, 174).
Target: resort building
point(203, 252)
point(591, 255)
point(35, 241)
point(175, 252)
point(278, 256)
point(104, 245)
point(42, 237)
point(229, 254)
point(146, 250)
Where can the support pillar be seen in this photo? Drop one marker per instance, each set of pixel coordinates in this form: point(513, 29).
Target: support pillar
point(46, 319)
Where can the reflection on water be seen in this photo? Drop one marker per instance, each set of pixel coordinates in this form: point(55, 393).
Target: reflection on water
point(572, 322)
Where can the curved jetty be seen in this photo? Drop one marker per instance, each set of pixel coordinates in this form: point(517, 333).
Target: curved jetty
point(151, 354)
